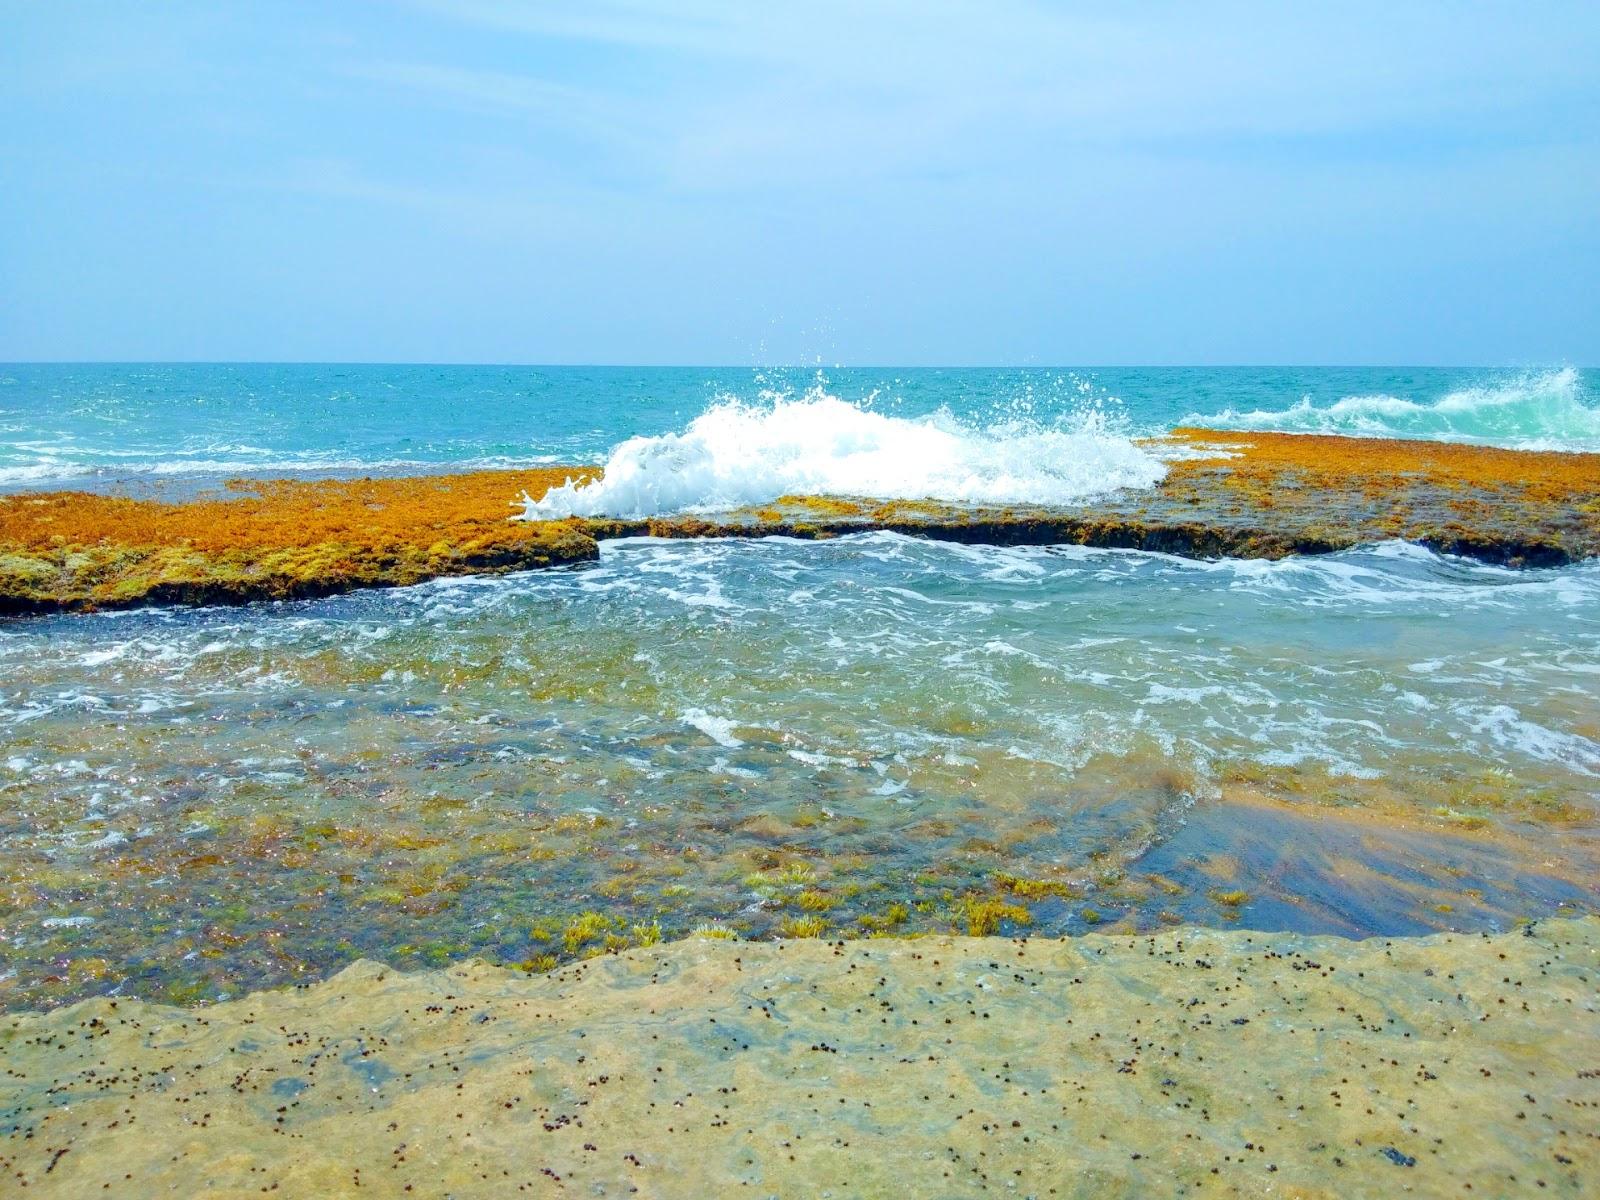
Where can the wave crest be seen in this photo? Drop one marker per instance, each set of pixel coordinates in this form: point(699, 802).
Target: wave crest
point(1543, 410)
point(736, 454)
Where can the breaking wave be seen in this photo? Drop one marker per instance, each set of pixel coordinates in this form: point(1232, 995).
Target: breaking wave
point(737, 453)
point(1543, 410)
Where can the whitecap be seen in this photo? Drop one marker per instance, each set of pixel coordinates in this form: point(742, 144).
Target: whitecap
point(737, 454)
point(1536, 410)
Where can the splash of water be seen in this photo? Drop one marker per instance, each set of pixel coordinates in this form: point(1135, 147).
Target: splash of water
point(1544, 410)
point(738, 453)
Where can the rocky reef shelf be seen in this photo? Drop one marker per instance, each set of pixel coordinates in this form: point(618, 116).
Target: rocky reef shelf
point(1188, 1062)
point(1256, 495)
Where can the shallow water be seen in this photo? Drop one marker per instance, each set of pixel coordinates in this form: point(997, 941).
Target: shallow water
point(866, 735)
point(870, 733)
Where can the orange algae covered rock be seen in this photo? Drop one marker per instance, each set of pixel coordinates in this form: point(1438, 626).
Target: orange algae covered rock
point(1252, 495)
point(1225, 493)
point(277, 539)
point(1363, 464)
point(1525, 507)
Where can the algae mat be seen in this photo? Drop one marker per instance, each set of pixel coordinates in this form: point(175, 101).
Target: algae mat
point(1188, 1063)
point(1255, 495)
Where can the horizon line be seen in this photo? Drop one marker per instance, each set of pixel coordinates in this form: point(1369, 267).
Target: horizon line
point(1526, 365)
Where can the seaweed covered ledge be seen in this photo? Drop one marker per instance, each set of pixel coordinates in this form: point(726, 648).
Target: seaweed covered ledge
point(272, 540)
point(1262, 495)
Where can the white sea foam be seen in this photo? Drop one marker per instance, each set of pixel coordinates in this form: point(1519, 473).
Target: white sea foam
point(718, 729)
point(817, 444)
point(34, 472)
point(1540, 410)
point(1509, 729)
point(55, 470)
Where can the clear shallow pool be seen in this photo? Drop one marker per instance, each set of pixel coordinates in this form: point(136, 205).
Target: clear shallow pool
point(769, 737)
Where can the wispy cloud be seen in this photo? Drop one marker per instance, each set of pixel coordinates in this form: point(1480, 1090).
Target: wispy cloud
point(937, 171)
point(478, 90)
point(788, 95)
point(693, 25)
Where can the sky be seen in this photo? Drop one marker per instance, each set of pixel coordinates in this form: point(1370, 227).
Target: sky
point(917, 182)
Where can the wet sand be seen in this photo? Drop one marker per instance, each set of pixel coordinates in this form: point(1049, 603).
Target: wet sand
point(1193, 1062)
point(1257, 495)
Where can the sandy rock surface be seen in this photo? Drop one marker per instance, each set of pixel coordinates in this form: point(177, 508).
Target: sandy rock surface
point(1190, 1063)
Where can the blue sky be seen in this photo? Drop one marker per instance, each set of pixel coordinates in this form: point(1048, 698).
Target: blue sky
point(917, 182)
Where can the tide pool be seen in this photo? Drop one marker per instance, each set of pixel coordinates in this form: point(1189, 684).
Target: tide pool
point(776, 738)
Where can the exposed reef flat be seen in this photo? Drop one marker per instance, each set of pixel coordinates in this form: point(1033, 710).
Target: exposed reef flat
point(1192, 1062)
point(1267, 495)
point(271, 540)
point(1237, 494)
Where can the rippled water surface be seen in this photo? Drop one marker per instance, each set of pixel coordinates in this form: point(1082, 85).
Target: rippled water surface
point(104, 424)
point(770, 737)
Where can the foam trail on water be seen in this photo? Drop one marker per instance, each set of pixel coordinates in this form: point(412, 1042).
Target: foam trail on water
point(1543, 410)
point(52, 470)
point(736, 453)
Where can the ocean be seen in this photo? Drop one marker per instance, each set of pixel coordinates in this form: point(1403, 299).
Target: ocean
point(65, 425)
point(767, 737)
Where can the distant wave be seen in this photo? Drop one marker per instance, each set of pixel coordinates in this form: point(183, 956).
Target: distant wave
point(736, 453)
point(1544, 410)
point(49, 470)
point(34, 472)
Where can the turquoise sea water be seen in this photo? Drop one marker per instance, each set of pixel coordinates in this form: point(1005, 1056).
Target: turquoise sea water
point(75, 424)
point(769, 737)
